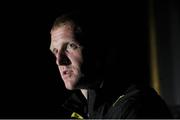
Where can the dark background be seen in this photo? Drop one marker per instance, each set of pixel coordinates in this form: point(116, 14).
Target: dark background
point(30, 84)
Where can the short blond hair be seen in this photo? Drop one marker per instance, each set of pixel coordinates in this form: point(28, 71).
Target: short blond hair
point(70, 19)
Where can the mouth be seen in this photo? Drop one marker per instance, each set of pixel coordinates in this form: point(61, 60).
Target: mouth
point(66, 73)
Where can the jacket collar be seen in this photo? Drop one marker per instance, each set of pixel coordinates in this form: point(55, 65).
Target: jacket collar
point(76, 103)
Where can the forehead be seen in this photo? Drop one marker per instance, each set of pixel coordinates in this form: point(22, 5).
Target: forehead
point(60, 35)
point(61, 32)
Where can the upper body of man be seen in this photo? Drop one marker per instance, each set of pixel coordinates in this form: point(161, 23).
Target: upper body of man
point(80, 57)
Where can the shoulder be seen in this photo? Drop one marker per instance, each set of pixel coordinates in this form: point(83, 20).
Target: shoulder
point(139, 102)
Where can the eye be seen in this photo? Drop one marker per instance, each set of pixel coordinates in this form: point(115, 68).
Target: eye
point(72, 46)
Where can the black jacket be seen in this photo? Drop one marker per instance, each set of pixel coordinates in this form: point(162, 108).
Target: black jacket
point(134, 102)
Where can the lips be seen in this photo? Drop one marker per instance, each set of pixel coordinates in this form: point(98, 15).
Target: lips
point(66, 72)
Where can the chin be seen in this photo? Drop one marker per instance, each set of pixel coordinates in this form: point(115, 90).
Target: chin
point(70, 86)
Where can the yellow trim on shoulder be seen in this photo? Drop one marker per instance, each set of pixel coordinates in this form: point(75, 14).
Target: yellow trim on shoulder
point(118, 100)
point(76, 115)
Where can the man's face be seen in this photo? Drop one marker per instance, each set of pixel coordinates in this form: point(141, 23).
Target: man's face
point(68, 55)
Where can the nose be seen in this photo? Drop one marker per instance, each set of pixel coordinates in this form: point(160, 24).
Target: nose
point(62, 59)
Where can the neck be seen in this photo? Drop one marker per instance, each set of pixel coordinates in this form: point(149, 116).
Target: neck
point(84, 92)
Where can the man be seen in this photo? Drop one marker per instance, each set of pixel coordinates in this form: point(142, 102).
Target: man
point(81, 56)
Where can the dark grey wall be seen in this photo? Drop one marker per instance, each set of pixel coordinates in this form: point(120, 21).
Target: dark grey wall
point(168, 42)
point(175, 45)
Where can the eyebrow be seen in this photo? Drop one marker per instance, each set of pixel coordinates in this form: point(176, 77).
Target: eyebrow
point(54, 40)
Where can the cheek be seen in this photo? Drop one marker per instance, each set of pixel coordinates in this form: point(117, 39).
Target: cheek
point(76, 58)
point(60, 70)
